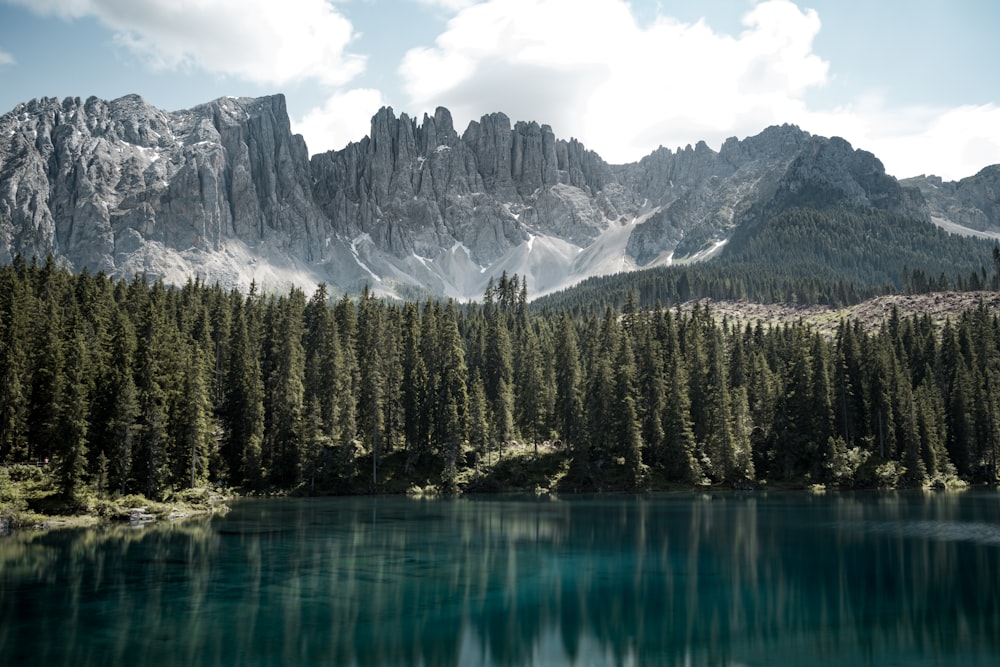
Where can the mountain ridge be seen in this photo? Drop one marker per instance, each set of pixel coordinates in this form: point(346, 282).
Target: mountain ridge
point(227, 192)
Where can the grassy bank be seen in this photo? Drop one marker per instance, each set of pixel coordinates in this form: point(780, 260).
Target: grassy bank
point(29, 500)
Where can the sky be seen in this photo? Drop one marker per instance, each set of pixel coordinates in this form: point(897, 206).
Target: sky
point(913, 81)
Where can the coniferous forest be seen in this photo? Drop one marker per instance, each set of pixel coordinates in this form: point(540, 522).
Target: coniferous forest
point(130, 387)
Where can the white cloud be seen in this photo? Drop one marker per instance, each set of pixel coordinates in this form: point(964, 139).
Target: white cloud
point(344, 117)
point(624, 89)
point(951, 143)
point(6, 59)
point(262, 41)
point(447, 5)
point(621, 88)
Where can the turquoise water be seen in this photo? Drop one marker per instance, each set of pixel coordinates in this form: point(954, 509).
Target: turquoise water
point(758, 579)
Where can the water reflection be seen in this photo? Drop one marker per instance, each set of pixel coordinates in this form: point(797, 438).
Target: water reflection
point(713, 580)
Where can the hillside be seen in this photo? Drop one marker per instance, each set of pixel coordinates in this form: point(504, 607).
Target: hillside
point(872, 313)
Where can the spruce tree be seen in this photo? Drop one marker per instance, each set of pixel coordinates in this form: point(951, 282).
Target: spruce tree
point(346, 389)
point(285, 389)
point(498, 374)
point(680, 445)
point(371, 377)
point(453, 397)
point(16, 304)
point(245, 399)
point(150, 466)
point(627, 431)
point(414, 384)
point(73, 421)
point(196, 426)
point(569, 417)
point(121, 408)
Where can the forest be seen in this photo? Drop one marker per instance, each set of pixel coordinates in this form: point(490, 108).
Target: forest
point(129, 387)
point(833, 255)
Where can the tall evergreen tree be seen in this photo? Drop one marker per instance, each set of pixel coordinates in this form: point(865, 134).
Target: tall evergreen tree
point(150, 467)
point(453, 397)
point(414, 382)
point(285, 389)
point(568, 394)
point(719, 444)
point(371, 374)
point(346, 389)
point(195, 428)
point(679, 439)
point(627, 431)
point(498, 373)
point(73, 419)
point(245, 398)
point(120, 403)
point(16, 304)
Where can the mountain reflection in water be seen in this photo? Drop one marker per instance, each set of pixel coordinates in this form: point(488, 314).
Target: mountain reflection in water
point(901, 578)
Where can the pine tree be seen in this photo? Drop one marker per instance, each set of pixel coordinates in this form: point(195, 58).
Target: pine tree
point(960, 428)
point(719, 444)
point(678, 432)
point(121, 409)
point(150, 466)
point(601, 385)
point(478, 427)
point(821, 428)
point(652, 390)
point(371, 374)
point(793, 436)
point(48, 382)
point(323, 359)
point(532, 404)
point(73, 420)
point(453, 397)
point(285, 390)
point(627, 432)
point(743, 455)
point(568, 394)
point(16, 305)
point(498, 374)
point(245, 399)
point(346, 387)
point(414, 384)
point(196, 427)
point(393, 420)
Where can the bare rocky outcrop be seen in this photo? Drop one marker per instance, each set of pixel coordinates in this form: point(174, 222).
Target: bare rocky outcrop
point(420, 188)
point(972, 202)
point(98, 183)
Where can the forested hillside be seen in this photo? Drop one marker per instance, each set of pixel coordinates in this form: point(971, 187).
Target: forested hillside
point(835, 255)
point(131, 387)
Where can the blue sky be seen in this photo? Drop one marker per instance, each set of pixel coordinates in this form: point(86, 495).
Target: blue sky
point(913, 81)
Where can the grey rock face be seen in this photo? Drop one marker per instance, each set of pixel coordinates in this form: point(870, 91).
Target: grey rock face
point(226, 191)
point(95, 181)
point(416, 189)
point(972, 202)
point(702, 195)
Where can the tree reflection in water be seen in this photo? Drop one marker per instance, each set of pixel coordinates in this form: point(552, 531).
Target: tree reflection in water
point(714, 579)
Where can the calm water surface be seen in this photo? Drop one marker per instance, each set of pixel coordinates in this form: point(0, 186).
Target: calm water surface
point(757, 579)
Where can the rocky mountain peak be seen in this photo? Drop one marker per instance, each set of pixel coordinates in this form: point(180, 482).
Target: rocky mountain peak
point(227, 191)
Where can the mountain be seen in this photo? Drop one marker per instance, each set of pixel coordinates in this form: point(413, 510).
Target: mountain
point(226, 191)
point(970, 206)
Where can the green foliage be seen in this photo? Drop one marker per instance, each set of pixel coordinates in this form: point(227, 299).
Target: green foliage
point(135, 388)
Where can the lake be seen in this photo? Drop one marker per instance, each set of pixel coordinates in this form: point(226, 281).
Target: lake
point(715, 579)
